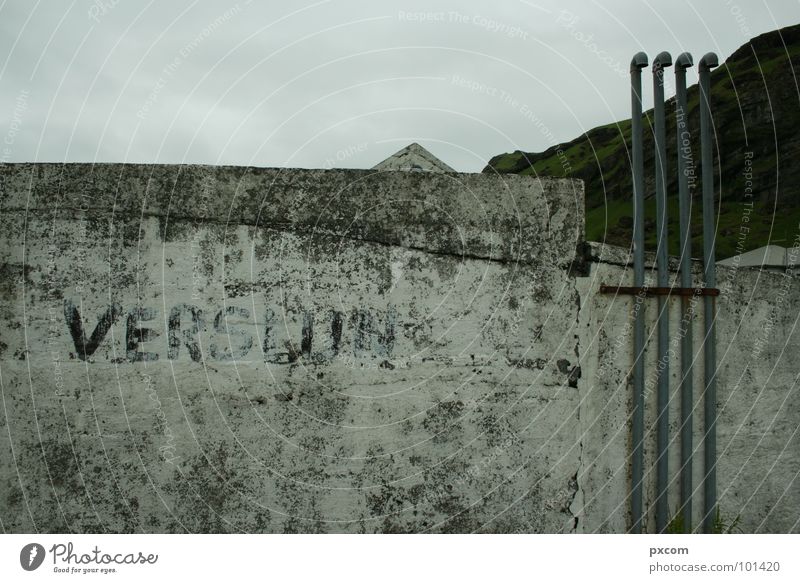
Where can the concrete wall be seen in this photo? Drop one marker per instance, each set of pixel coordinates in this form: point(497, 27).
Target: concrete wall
point(758, 429)
point(216, 349)
point(227, 349)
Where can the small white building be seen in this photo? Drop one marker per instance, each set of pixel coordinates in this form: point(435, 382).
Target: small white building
point(769, 257)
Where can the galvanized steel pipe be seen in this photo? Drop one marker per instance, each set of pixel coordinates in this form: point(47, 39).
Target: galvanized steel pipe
point(661, 61)
point(637, 470)
point(708, 62)
point(685, 171)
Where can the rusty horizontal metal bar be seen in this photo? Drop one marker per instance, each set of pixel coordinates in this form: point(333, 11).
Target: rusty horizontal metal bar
point(658, 291)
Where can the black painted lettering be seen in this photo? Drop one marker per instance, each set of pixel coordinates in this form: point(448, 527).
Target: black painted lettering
point(369, 337)
point(244, 341)
point(136, 335)
point(308, 334)
point(83, 347)
point(186, 334)
point(268, 343)
point(292, 351)
point(332, 344)
point(336, 331)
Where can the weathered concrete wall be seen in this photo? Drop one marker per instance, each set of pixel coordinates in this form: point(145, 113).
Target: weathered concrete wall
point(229, 349)
point(221, 349)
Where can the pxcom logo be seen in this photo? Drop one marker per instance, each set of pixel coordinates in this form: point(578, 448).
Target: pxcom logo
point(31, 556)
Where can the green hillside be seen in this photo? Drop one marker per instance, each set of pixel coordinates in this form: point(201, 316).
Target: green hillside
point(756, 113)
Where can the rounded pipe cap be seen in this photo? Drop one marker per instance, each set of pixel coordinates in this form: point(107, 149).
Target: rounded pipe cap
point(684, 61)
point(708, 62)
point(638, 62)
point(662, 60)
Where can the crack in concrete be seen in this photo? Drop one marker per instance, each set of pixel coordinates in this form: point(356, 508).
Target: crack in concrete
point(293, 230)
point(577, 497)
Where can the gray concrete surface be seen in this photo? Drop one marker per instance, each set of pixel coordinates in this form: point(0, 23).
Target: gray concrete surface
point(222, 349)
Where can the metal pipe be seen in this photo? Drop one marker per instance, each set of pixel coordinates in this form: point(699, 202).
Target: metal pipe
point(708, 62)
point(685, 170)
point(637, 64)
point(661, 61)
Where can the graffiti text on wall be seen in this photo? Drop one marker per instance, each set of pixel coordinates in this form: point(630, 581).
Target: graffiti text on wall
point(232, 333)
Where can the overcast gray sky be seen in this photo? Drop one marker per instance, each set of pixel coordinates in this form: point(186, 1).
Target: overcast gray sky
point(340, 83)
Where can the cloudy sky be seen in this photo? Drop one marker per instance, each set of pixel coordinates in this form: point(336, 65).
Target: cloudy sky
point(340, 83)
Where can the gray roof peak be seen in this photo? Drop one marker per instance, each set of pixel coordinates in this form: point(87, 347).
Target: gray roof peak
point(413, 158)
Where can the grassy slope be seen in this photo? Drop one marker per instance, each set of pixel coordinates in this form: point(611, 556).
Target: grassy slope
point(755, 108)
